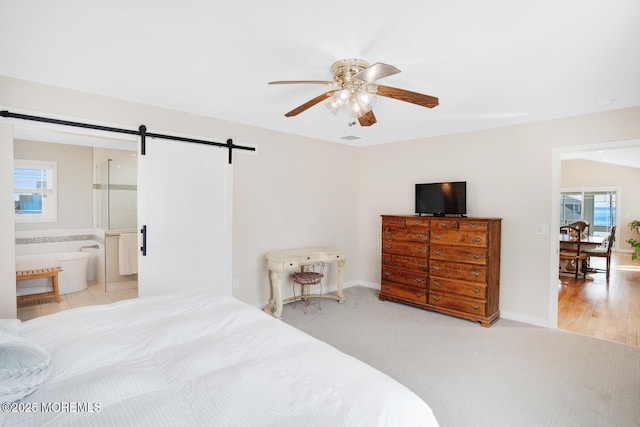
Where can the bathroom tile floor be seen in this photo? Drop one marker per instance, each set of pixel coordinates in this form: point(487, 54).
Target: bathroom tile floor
point(93, 295)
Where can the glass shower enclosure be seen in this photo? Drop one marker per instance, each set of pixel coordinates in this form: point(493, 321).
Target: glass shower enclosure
point(116, 211)
point(117, 206)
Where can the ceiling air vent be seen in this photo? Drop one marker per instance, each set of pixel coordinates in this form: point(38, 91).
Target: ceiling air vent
point(350, 137)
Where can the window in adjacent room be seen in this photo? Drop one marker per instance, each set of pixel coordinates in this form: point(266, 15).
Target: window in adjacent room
point(34, 190)
point(598, 208)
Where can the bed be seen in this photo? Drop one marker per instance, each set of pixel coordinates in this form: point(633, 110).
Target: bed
point(192, 359)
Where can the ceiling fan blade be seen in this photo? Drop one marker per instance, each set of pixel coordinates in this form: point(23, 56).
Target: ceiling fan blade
point(404, 95)
point(376, 71)
point(368, 119)
point(310, 103)
point(294, 82)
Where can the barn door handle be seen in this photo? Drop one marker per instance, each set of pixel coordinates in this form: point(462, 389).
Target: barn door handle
point(143, 248)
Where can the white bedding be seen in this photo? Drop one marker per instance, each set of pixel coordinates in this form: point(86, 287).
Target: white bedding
point(201, 359)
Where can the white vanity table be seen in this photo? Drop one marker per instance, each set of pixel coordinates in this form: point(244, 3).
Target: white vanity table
point(280, 263)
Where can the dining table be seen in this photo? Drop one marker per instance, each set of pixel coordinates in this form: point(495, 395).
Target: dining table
point(568, 241)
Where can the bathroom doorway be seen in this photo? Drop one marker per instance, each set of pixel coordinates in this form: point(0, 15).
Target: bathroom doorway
point(80, 226)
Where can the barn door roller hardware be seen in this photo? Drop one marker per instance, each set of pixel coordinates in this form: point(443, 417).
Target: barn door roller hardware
point(142, 132)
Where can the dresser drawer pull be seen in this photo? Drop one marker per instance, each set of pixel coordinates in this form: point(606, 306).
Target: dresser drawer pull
point(416, 223)
point(477, 239)
point(475, 273)
point(419, 265)
point(418, 280)
point(393, 221)
point(419, 295)
point(387, 261)
point(387, 274)
point(436, 283)
point(476, 290)
point(443, 224)
point(388, 232)
point(387, 246)
point(419, 250)
point(436, 268)
point(436, 252)
point(387, 288)
point(420, 236)
point(475, 307)
point(473, 225)
point(477, 257)
point(436, 298)
point(436, 237)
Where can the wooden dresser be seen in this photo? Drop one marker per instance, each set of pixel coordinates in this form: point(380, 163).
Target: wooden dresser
point(449, 265)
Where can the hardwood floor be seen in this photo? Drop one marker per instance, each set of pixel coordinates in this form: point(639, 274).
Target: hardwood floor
point(608, 311)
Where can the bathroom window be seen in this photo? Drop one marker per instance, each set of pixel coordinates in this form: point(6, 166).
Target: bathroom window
point(34, 191)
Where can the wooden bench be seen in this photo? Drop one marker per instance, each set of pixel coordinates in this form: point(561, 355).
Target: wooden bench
point(36, 274)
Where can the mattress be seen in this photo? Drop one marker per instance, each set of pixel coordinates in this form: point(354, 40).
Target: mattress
point(198, 359)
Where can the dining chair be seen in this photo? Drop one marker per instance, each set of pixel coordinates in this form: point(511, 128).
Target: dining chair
point(583, 226)
point(308, 275)
point(572, 253)
point(603, 252)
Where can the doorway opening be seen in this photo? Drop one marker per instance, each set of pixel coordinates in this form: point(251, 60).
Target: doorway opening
point(77, 229)
point(591, 185)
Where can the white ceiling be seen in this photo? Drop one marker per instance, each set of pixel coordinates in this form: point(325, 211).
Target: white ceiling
point(491, 63)
point(622, 156)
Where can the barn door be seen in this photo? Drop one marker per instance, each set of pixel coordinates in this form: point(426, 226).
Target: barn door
point(185, 205)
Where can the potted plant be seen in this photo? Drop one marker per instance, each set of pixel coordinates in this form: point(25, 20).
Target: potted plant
point(635, 244)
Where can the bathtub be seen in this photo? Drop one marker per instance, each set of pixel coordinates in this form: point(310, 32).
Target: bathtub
point(73, 278)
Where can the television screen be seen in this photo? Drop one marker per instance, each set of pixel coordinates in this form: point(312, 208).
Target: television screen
point(442, 198)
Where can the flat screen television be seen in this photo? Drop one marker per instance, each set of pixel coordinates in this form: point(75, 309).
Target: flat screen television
point(442, 198)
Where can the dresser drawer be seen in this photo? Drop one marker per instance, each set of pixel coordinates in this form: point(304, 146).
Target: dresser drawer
point(465, 254)
point(452, 270)
point(472, 290)
point(403, 247)
point(417, 222)
point(444, 224)
point(402, 291)
point(411, 278)
point(474, 226)
point(404, 262)
point(396, 221)
point(456, 303)
point(415, 234)
point(469, 238)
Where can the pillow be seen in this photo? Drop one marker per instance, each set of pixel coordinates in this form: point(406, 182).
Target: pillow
point(24, 366)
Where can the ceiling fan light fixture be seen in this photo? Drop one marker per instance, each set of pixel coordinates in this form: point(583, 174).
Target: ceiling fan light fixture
point(366, 97)
point(361, 103)
point(334, 104)
point(355, 93)
point(359, 109)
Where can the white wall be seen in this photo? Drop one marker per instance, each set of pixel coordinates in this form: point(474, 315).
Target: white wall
point(294, 193)
point(509, 173)
point(7, 233)
point(300, 192)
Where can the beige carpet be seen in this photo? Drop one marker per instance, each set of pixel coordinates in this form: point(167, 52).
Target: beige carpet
point(511, 374)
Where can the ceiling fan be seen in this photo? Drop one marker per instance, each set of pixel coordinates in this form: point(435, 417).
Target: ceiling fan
point(355, 91)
